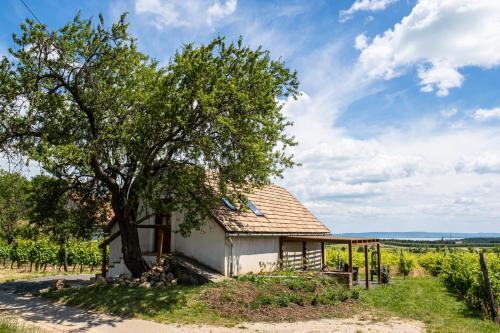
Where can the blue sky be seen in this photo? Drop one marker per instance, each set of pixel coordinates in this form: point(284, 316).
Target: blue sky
point(399, 119)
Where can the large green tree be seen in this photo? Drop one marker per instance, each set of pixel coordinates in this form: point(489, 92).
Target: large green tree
point(90, 108)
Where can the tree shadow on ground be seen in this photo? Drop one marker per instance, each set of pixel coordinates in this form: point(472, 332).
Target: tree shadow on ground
point(38, 310)
point(127, 301)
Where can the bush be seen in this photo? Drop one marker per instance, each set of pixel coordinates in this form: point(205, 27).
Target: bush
point(406, 264)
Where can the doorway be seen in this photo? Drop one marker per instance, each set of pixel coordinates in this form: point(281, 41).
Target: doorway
point(163, 220)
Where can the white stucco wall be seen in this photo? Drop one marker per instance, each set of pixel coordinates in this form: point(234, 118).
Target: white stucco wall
point(206, 245)
point(253, 254)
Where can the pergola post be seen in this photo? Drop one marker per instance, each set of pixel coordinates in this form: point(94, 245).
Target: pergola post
point(160, 244)
point(304, 256)
point(379, 256)
point(366, 268)
point(281, 264)
point(323, 257)
point(350, 256)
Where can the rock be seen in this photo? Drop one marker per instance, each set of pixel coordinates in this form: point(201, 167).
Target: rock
point(160, 284)
point(174, 282)
point(110, 279)
point(143, 279)
point(170, 276)
point(59, 284)
point(146, 285)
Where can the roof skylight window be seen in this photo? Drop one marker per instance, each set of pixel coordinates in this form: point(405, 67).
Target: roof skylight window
point(228, 203)
point(254, 208)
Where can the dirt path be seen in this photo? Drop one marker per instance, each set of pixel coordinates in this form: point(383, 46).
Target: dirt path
point(56, 317)
point(34, 285)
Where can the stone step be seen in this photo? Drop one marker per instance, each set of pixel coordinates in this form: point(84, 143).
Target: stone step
point(199, 269)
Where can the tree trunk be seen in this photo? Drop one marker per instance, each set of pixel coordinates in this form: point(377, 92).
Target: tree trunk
point(131, 250)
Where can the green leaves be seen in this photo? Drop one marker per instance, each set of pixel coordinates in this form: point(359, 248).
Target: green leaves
point(102, 116)
point(406, 263)
point(13, 208)
point(460, 270)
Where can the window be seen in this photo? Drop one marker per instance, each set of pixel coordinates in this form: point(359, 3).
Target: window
point(254, 208)
point(228, 203)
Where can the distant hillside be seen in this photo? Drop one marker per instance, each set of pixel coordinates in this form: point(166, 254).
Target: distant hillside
point(421, 234)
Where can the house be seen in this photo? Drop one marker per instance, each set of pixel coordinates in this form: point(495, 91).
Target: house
point(236, 242)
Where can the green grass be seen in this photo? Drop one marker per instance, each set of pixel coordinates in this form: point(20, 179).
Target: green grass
point(427, 299)
point(421, 298)
point(9, 325)
point(227, 303)
point(177, 304)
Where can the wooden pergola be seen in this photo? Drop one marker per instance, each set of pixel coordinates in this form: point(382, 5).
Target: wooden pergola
point(334, 240)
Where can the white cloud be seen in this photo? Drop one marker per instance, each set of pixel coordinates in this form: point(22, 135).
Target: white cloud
point(220, 10)
point(486, 114)
point(419, 176)
point(483, 163)
point(440, 37)
point(448, 113)
point(361, 42)
point(363, 5)
point(185, 13)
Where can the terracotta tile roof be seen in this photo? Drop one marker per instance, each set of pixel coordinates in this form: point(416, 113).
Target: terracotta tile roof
point(283, 213)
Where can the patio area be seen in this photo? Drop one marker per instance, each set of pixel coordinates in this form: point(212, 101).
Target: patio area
point(346, 274)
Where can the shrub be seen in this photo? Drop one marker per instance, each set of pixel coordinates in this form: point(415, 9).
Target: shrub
point(406, 264)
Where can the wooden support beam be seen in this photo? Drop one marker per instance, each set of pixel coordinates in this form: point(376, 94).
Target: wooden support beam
point(109, 239)
point(350, 256)
point(304, 256)
point(489, 291)
point(366, 268)
point(379, 257)
point(103, 264)
point(323, 257)
point(160, 244)
point(281, 265)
